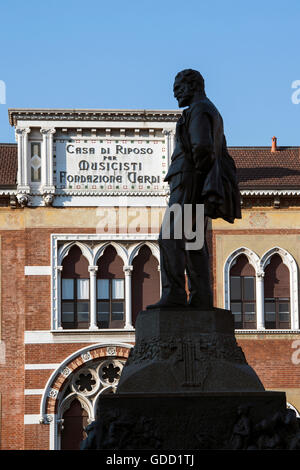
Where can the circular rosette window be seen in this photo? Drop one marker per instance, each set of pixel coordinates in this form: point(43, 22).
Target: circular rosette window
point(110, 372)
point(85, 381)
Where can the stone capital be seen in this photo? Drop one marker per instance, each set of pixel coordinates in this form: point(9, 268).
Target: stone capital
point(168, 132)
point(22, 131)
point(127, 270)
point(93, 269)
point(47, 130)
point(260, 274)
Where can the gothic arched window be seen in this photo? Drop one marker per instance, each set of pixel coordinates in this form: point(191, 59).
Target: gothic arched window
point(145, 281)
point(277, 294)
point(242, 293)
point(75, 288)
point(110, 290)
point(74, 422)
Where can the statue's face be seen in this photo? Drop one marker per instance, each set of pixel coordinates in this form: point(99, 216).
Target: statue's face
point(183, 92)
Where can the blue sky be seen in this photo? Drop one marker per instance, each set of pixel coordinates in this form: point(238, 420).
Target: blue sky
point(125, 54)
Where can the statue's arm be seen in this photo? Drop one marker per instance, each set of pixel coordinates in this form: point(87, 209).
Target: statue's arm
point(201, 140)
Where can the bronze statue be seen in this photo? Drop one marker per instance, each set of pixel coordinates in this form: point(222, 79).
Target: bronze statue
point(201, 172)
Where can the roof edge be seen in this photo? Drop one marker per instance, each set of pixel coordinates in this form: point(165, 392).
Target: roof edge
point(91, 114)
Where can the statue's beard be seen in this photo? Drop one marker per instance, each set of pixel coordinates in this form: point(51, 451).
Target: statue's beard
point(184, 101)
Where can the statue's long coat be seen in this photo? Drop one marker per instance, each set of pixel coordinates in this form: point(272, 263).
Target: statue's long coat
point(212, 171)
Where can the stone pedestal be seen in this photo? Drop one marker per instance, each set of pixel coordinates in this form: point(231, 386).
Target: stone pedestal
point(187, 421)
point(187, 385)
point(186, 350)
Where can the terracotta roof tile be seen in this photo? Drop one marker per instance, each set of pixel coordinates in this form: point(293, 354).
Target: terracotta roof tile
point(258, 167)
point(8, 164)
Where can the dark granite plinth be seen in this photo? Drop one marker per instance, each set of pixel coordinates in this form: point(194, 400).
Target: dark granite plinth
point(186, 350)
point(177, 421)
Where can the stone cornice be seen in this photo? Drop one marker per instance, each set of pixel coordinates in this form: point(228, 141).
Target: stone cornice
point(270, 192)
point(47, 114)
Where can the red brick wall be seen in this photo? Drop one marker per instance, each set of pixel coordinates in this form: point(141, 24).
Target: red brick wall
point(12, 337)
point(37, 437)
point(272, 359)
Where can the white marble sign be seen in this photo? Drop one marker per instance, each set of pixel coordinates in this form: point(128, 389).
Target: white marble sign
point(110, 165)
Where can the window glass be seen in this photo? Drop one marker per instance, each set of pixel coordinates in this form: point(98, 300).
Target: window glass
point(83, 311)
point(236, 309)
point(249, 288)
point(235, 288)
point(249, 312)
point(83, 289)
point(67, 289)
point(284, 310)
point(103, 314)
point(117, 311)
point(270, 311)
point(118, 288)
point(67, 310)
point(103, 288)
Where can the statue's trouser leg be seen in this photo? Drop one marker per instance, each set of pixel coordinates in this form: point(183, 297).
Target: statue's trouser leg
point(198, 271)
point(172, 257)
point(175, 259)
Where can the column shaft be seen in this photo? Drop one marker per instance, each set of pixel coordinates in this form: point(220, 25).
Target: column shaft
point(93, 297)
point(128, 299)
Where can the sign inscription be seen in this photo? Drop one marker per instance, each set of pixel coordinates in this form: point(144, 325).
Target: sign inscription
point(111, 165)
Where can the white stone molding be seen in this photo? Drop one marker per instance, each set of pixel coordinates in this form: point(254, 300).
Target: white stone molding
point(259, 265)
point(254, 260)
point(291, 264)
point(291, 407)
point(33, 391)
point(170, 143)
point(88, 399)
point(92, 247)
point(34, 419)
point(94, 117)
point(77, 336)
point(134, 250)
point(47, 159)
point(56, 297)
point(66, 403)
point(60, 367)
point(93, 297)
point(37, 270)
point(56, 293)
point(160, 284)
point(111, 351)
point(128, 298)
point(85, 249)
point(260, 299)
point(40, 366)
point(120, 249)
point(22, 177)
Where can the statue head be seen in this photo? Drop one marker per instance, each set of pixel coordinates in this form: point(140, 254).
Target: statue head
point(188, 84)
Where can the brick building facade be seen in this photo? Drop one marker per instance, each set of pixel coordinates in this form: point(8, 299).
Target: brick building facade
point(79, 260)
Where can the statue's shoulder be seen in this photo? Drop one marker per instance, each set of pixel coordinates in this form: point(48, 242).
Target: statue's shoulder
point(200, 107)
